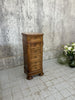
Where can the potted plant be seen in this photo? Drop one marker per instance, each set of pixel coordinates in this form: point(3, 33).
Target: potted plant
point(69, 51)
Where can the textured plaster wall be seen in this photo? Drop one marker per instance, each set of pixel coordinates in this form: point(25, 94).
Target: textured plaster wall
point(54, 18)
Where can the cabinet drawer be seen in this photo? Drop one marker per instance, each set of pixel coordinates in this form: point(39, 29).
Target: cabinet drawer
point(36, 51)
point(34, 67)
point(35, 45)
point(35, 56)
point(35, 63)
point(35, 38)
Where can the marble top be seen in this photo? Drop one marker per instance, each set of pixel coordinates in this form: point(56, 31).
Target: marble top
point(33, 33)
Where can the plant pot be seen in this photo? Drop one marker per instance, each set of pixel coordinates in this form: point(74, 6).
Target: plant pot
point(71, 58)
point(71, 61)
point(72, 64)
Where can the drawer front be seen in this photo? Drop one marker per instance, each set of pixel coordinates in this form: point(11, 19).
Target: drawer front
point(35, 45)
point(35, 63)
point(35, 56)
point(36, 51)
point(35, 38)
point(35, 66)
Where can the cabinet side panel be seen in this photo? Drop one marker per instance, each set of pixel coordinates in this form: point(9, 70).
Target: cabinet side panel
point(25, 53)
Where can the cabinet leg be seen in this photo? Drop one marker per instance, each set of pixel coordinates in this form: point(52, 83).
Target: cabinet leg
point(41, 74)
point(29, 77)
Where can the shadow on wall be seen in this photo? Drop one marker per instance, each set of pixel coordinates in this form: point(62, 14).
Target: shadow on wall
point(5, 51)
point(8, 59)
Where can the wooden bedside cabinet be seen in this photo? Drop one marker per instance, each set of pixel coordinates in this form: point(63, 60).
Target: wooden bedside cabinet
point(33, 54)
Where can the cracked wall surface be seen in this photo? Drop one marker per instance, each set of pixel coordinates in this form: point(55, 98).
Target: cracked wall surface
point(54, 18)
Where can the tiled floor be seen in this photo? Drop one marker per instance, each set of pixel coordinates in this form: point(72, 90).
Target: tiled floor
point(58, 83)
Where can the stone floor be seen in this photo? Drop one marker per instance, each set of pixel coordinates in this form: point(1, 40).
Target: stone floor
point(58, 83)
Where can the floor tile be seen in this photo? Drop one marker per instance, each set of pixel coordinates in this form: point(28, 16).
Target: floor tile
point(65, 93)
point(50, 98)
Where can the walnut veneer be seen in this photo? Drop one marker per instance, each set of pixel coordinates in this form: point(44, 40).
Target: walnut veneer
point(33, 54)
